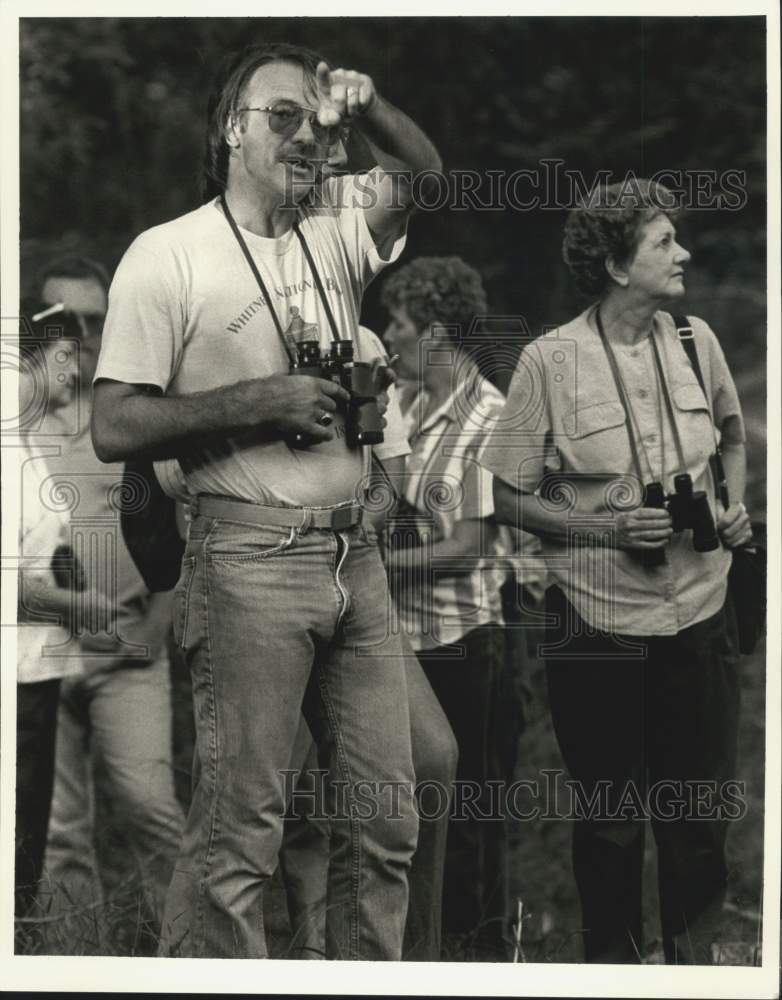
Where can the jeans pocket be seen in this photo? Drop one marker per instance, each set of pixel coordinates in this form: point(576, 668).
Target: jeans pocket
point(181, 601)
point(239, 543)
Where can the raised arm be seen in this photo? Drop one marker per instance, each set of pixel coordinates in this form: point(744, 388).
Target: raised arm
point(399, 146)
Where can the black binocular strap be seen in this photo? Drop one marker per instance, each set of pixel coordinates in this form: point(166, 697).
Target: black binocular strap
point(617, 375)
point(687, 340)
point(318, 282)
point(669, 406)
point(290, 351)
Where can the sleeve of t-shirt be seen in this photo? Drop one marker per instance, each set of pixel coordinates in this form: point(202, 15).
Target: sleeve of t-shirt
point(144, 330)
point(520, 448)
point(352, 194)
point(725, 398)
point(394, 443)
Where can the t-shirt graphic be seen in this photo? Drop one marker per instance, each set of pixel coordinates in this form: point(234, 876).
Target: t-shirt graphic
point(299, 329)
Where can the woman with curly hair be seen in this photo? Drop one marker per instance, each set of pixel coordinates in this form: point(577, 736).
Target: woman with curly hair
point(605, 416)
point(446, 572)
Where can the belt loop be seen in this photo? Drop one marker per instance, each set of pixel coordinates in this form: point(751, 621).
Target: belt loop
point(306, 521)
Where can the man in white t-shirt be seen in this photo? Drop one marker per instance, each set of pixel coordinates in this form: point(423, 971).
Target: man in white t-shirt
point(282, 601)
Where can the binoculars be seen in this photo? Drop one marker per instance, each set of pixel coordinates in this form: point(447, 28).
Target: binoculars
point(688, 509)
point(363, 421)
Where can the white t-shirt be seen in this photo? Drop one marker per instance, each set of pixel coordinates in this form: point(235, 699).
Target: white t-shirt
point(186, 315)
point(44, 652)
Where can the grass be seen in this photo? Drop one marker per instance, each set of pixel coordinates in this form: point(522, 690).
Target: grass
point(541, 874)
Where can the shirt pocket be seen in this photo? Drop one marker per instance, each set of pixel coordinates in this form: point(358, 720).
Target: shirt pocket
point(597, 439)
point(693, 422)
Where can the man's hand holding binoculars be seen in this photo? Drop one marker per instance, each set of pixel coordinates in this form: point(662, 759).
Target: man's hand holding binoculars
point(303, 405)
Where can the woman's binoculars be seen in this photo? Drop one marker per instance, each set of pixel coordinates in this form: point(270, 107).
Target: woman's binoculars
point(363, 421)
point(688, 509)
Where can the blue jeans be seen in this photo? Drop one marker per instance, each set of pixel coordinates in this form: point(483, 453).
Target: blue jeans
point(121, 717)
point(276, 622)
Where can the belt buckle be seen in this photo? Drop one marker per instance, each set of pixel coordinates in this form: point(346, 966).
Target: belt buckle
point(342, 517)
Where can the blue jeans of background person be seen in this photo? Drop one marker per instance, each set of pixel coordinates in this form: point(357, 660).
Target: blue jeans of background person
point(121, 718)
point(275, 623)
point(305, 844)
point(667, 718)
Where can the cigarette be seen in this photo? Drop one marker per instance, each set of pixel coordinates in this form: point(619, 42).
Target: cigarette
point(58, 307)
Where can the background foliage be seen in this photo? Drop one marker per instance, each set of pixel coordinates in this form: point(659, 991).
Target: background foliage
point(112, 113)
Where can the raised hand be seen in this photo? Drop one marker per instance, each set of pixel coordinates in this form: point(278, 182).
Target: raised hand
point(343, 94)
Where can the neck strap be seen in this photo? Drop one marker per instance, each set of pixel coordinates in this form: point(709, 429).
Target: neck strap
point(318, 282)
point(663, 386)
point(669, 407)
point(623, 398)
point(288, 343)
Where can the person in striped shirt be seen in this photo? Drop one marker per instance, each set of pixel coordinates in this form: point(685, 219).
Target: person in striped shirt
point(447, 561)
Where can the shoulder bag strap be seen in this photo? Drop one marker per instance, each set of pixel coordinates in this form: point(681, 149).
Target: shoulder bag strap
point(687, 340)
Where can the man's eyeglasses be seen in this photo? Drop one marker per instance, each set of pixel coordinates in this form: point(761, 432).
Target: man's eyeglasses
point(285, 118)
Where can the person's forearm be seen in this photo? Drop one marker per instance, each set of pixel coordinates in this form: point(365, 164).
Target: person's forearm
point(525, 512)
point(143, 425)
point(129, 423)
point(396, 142)
point(734, 461)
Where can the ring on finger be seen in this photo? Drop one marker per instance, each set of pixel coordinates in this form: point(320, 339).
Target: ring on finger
point(325, 419)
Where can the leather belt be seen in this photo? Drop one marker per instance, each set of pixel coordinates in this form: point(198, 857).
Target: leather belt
point(263, 515)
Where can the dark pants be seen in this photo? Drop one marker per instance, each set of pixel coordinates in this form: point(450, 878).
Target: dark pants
point(36, 728)
point(470, 681)
point(663, 725)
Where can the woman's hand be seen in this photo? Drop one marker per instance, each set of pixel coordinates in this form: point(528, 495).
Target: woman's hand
point(643, 528)
point(734, 526)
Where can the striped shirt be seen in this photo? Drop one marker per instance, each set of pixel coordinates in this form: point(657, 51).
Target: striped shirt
point(445, 484)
